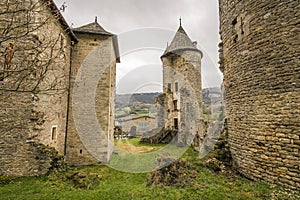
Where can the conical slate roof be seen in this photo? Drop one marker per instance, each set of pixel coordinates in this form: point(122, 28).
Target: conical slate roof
point(93, 28)
point(181, 41)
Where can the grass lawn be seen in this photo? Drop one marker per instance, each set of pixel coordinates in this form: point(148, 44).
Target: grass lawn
point(103, 182)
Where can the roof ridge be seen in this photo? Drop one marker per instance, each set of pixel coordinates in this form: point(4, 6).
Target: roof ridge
point(93, 27)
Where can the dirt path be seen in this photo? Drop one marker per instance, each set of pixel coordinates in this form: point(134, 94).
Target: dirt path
point(127, 146)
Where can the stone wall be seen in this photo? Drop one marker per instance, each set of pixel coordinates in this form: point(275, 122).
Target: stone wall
point(37, 89)
point(182, 71)
point(260, 62)
point(96, 53)
point(142, 124)
point(52, 104)
point(28, 115)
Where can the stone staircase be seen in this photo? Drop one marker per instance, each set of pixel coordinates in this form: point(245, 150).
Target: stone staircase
point(159, 136)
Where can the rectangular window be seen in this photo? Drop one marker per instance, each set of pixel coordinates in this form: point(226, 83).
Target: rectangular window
point(169, 87)
point(176, 123)
point(53, 133)
point(176, 87)
point(175, 102)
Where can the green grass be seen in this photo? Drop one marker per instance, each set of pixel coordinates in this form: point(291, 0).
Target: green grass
point(113, 184)
point(142, 162)
point(136, 142)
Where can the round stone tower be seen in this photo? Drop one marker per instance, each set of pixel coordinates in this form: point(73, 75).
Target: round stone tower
point(259, 58)
point(182, 86)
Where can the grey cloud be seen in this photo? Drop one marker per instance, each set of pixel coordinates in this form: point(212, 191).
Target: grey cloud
point(200, 20)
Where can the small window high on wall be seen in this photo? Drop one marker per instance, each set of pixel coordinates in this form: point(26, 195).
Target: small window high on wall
point(169, 87)
point(176, 87)
point(54, 132)
point(175, 102)
point(176, 123)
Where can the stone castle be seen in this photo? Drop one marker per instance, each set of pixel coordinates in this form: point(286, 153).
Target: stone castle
point(50, 114)
point(259, 57)
point(180, 105)
point(42, 108)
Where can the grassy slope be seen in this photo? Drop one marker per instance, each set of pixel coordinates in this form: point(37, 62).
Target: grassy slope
point(114, 184)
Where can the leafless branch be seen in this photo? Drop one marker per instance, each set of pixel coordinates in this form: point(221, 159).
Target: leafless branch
point(29, 51)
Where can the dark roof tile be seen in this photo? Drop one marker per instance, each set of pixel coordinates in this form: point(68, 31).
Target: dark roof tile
point(93, 28)
point(181, 41)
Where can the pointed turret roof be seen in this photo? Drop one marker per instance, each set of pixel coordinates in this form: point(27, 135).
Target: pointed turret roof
point(93, 28)
point(181, 41)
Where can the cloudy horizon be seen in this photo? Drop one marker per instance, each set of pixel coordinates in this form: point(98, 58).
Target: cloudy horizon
point(134, 20)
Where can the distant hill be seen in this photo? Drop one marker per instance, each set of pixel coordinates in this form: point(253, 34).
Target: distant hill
point(141, 103)
point(209, 94)
point(133, 99)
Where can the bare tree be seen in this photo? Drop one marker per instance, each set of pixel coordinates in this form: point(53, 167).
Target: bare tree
point(30, 49)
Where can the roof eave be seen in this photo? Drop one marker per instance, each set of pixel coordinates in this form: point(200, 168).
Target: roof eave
point(92, 32)
point(116, 48)
point(178, 51)
point(55, 11)
point(114, 39)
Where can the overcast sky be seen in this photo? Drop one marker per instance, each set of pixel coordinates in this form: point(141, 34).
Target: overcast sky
point(150, 24)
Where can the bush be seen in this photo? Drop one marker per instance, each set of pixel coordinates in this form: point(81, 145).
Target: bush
point(179, 173)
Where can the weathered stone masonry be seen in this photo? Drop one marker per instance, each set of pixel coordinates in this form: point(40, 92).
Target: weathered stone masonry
point(182, 88)
point(31, 121)
point(260, 62)
point(93, 37)
point(35, 126)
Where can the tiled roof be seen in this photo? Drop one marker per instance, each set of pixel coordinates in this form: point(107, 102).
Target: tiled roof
point(93, 28)
point(96, 28)
point(181, 41)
